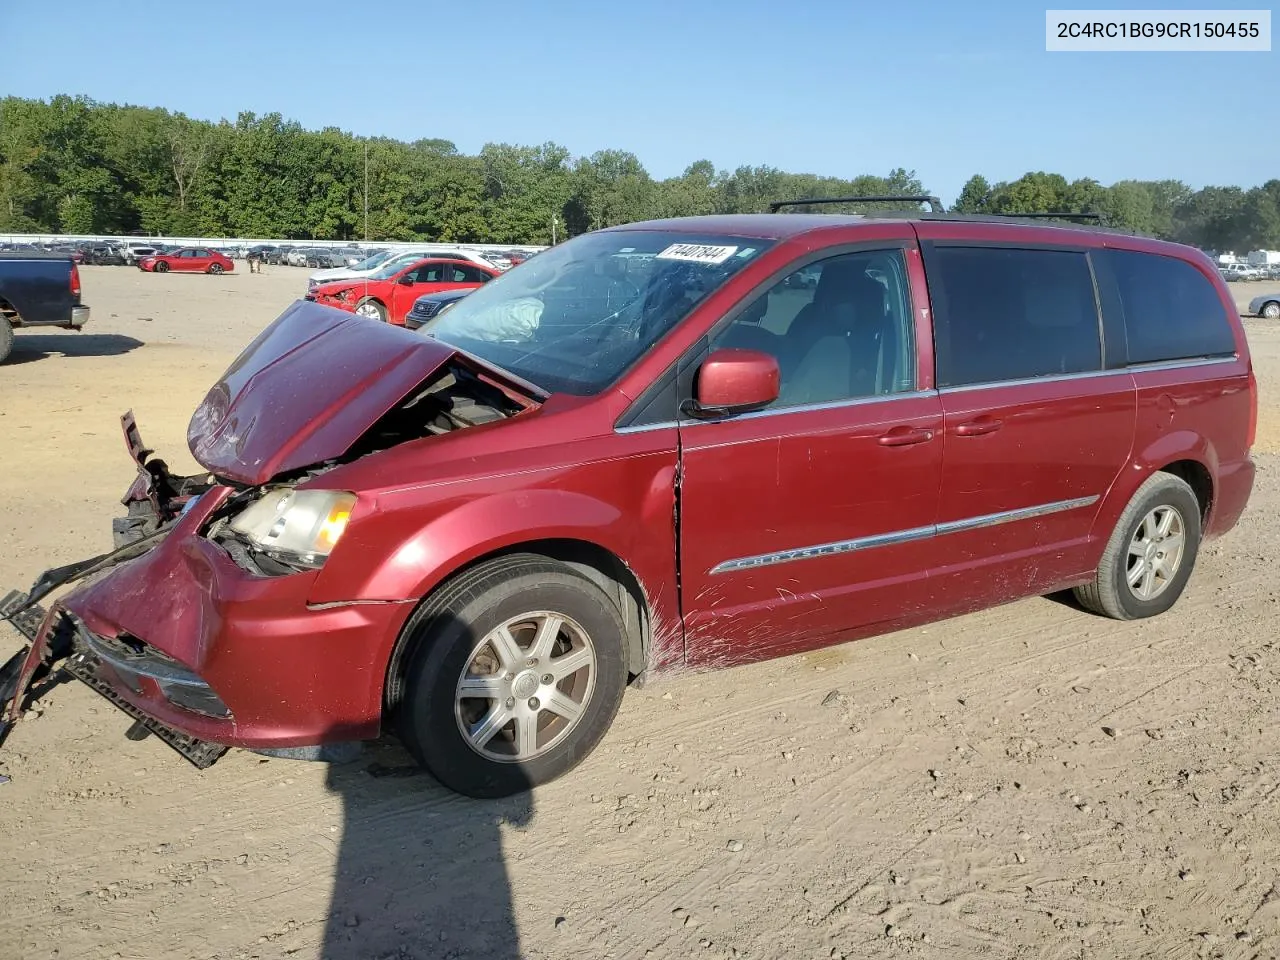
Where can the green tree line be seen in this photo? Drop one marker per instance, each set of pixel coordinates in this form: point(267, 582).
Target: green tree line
point(73, 165)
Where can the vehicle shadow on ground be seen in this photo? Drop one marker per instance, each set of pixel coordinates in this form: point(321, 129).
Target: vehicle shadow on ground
point(420, 871)
point(1066, 598)
point(29, 347)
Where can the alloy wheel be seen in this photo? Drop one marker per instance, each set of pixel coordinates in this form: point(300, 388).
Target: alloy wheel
point(1155, 552)
point(525, 687)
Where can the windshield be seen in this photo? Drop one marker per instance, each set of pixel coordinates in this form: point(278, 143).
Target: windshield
point(370, 263)
point(395, 265)
point(577, 316)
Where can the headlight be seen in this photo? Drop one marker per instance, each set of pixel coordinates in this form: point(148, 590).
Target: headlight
point(300, 525)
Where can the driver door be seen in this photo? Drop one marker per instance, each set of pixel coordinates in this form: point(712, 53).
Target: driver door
point(423, 279)
point(808, 522)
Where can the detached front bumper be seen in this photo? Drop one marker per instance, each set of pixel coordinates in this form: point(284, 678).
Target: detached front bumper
point(60, 639)
point(184, 637)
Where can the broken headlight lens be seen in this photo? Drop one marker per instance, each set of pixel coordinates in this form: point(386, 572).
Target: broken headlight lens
point(298, 525)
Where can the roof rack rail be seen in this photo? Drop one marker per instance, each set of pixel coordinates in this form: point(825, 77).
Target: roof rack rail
point(1083, 217)
point(935, 205)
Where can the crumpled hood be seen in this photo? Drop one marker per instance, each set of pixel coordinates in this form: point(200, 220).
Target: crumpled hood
point(305, 390)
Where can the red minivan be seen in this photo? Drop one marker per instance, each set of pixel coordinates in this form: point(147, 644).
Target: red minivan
point(686, 443)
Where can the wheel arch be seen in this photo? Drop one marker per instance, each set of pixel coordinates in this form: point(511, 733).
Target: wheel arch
point(590, 560)
point(1197, 476)
point(9, 313)
point(1184, 453)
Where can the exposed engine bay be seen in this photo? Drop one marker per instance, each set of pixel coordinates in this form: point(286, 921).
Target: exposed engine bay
point(455, 399)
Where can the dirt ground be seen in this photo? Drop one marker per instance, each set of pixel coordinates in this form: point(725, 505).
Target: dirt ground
point(1029, 781)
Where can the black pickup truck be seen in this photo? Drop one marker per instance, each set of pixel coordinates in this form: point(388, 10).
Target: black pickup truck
point(38, 290)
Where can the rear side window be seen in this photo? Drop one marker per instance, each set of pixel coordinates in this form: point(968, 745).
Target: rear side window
point(1008, 314)
point(1171, 310)
point(469, 274)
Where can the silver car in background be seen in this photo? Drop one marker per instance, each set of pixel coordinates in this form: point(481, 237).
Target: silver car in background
point(1267, 305)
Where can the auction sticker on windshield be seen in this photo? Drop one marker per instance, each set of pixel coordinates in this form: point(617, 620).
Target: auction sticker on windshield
point(697, 253)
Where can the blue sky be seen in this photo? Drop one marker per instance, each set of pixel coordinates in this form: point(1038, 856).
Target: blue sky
point(836, 88)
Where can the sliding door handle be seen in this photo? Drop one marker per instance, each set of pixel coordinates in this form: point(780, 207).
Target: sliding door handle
point(905, 436)
point(978, 427)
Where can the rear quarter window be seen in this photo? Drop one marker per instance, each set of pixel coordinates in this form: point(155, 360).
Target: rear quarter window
point(1171, 310)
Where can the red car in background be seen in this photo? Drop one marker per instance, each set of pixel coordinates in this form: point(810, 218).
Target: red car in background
point(188, 260)
point(390, 293)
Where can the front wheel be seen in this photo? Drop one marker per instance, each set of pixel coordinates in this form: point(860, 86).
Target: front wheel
point(161, 268)
point(1271, 310)
point(518, 671)
point(371, 309)
point(1151, 553)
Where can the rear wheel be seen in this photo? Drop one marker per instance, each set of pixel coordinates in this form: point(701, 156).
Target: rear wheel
point(1271, 310)
point(1151, 553)
point(215, 268)
point(161, 267)
point(372, 309)
point(6, 338)
point(518, 671)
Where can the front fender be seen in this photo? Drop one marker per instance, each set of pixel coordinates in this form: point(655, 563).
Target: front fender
point(401, 551)
point(411, 539)
point(474, 529)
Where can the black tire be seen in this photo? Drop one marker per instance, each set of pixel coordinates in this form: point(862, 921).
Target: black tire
point(161, 267)
point(377, 305)
point(446, 631)
point(6, 338)
point(215, 268)
point(1270, 310)
point(1110, 594)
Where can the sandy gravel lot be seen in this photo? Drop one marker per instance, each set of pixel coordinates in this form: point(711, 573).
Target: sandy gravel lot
point(942, 792)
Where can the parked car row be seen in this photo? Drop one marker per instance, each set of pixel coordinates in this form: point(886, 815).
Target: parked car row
point(314, 257)
point(95, 253)
point(1246, 271)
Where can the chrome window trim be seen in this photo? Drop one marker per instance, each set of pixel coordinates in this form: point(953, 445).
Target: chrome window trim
point(1155, 365)
point(1152, 367)
point(1091, 374)
point(781, 411)
point(646, 427)
point(903, 536)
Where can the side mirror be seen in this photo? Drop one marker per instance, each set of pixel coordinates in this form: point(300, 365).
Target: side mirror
point(734, 381)
point(406, 280)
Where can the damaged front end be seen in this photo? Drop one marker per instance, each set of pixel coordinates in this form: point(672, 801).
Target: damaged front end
point(199, 623)
point(55, 639)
